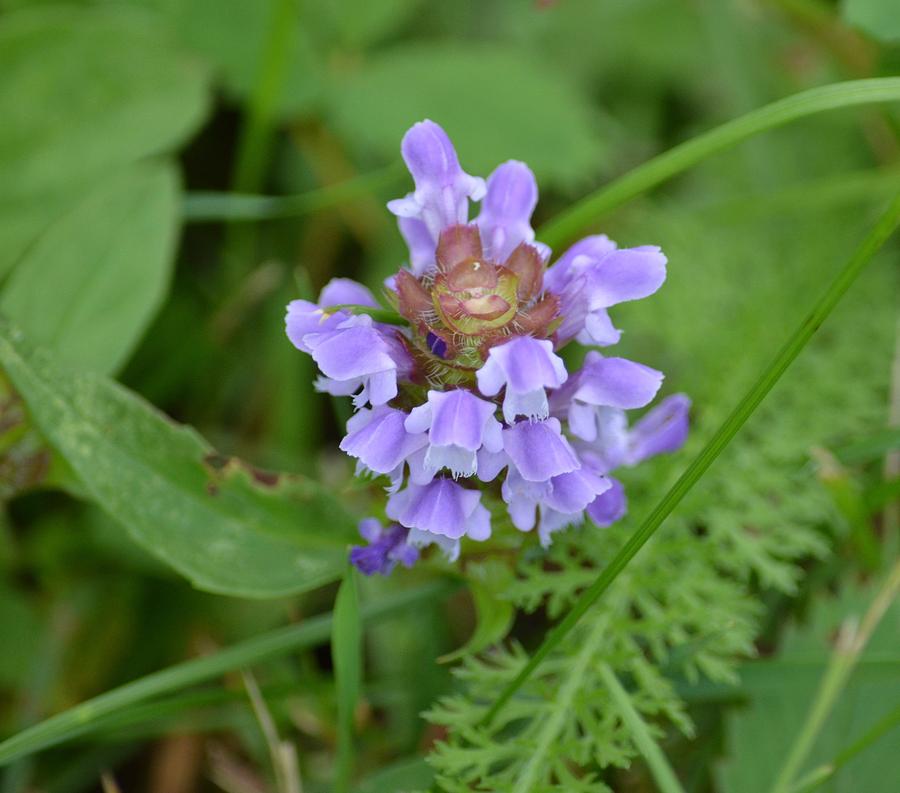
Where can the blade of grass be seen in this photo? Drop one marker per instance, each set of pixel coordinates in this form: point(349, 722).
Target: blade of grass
point(201, 206)
point(655, 758)
point(819, 776)
point(720, 439)
point(253, 146)
point(849, 647)
point(346, 654)
point(568, 224)
point(281, 753)
point(82, 718)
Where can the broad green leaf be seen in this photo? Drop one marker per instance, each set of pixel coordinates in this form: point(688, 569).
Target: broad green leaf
point(346, 654)
point(109, 261)
point(495, 104)
point(84, 92)
point(227, 527)
point(878, 18)
point(781, 693)
point(361, 22)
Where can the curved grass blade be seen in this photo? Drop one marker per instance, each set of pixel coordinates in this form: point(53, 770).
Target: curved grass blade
point(843, 661)
point(720, 439)
point(817, 100)
point(820, 775)
point(82, 718)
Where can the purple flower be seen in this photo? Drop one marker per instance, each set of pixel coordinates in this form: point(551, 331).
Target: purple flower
point(355, 357)
point(592, 276)
point(443, 189)
point(380, 441)
point(441, 508)
point(304, 317)
point(479, 318)
point(386, 547)
point(458, 424)
point(561, 499)
point(526, 366)
point(505, 217)
point(604, 383)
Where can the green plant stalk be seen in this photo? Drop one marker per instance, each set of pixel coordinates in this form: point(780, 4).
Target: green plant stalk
point(201, 206)
point(253, 146)
point(840, 667)
point(82, 718)
point(346, 654)
point(720, 439)
point(819, 776)
point(652, 173)
point(655, 758)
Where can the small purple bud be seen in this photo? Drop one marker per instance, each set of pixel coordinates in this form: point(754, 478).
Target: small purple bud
point(437, 345)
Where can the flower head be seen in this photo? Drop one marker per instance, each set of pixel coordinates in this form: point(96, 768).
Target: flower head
point(464, 402)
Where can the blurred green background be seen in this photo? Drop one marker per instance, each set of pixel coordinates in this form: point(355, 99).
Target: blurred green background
point(172, 172)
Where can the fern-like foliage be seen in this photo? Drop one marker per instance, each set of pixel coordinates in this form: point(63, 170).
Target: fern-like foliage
point(684, 607)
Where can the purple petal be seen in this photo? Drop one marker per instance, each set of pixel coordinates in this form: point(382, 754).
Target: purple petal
point(379, 439)
point(506, 211)
point(491, 463)
point(616, 382)
point(574, 261)
point(664, 429)
point(573, 491)
point(522, 498)
point(610, 506)
point(626, 274)
point(303, 318)
point(478, 526)
point(355, 349)
point(345, 292)
point(598, 329)
point(420, 243)
point(526, 366)
point(538, 450)
point(370, 529)
point(459, 418)
point(443, 189)
point(440, 507)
